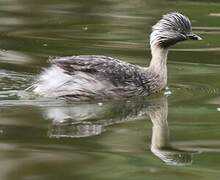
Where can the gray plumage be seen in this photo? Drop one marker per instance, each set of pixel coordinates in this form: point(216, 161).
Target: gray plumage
point(89, 77)
point(171, 29)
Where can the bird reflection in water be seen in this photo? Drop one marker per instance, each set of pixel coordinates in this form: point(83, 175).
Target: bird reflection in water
point(83, 120)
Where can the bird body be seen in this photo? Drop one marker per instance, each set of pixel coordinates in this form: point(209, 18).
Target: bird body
point(96, 77)
point(92, 77)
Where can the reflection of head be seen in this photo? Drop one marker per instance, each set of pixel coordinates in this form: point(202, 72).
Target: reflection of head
point(173, 156)
point(160, 142)
point(84, 120)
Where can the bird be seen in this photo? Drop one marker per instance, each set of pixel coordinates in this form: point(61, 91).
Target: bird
point(98, 77)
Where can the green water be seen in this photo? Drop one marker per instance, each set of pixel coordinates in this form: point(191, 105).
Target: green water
point(173, 136)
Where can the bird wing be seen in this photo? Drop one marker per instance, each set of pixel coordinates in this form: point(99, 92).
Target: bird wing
point(123, 76)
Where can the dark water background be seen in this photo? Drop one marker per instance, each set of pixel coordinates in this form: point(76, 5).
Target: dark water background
point(158, 137)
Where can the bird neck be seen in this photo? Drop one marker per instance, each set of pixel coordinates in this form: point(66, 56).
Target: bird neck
point(158, 62)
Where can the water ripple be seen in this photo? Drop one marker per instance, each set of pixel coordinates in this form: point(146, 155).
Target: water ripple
point(194, 90)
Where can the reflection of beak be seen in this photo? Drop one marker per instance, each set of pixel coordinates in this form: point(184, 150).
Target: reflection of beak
point(194, 37)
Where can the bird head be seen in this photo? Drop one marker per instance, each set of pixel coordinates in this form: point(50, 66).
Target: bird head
point(170, 29)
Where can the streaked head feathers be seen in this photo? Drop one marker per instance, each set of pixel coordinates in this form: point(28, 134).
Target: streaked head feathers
point(172, 28)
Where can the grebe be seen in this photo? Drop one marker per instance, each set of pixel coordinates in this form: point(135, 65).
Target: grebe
point(93, 77)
